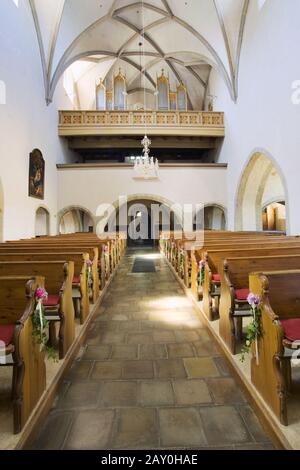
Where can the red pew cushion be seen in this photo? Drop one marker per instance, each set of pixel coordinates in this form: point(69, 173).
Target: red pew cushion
point(76, 280)
point(291, 329)
point(6, 334)
point(242, 294)
point(216, 277)
point(51, 301)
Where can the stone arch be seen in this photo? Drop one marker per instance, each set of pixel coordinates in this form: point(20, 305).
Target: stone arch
point(215, 217)
point(74, 219)
point(255, 187)
point(212, 216)
point(156, 198)
point(42, 222)
point(172, 212)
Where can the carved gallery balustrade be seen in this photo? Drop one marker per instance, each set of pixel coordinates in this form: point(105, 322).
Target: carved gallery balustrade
point(191, 123)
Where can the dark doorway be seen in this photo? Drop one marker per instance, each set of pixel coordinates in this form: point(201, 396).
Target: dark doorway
point(143, 224)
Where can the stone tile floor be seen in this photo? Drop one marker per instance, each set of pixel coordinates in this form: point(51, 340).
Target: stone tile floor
point(150, 376)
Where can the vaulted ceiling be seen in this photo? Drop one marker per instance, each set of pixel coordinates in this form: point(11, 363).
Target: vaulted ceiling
point(186, 38)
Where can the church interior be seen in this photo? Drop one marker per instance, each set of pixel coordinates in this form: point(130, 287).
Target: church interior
point(149, 225)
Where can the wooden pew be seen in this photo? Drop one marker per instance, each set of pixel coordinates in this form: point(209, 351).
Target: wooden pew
point(58, 283)
point(198, 253)
point(174, 248)
point(58, 248)
point(213, 264)
point(17, 304)
point(79, 288)
point(235, 289)
point(280, 320)
point(107, 251)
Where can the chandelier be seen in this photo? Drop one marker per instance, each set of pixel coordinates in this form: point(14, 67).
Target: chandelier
point(145, 167)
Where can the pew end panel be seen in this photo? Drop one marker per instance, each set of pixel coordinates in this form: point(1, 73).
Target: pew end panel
point(280, 300)
point(226, 310)
point(95, 285)
point(197, 290)
point(58, 283)
point(29, 370)
point(235, 281)
point(66, 311)
point(207, 304)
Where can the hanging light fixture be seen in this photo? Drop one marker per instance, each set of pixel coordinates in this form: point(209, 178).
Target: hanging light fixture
point(145, 167)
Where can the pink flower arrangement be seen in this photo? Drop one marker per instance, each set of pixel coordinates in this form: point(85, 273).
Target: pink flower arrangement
point(89, 263)
point(202, 264)
point(253, 300)
point(41, 293)
point(105, 249)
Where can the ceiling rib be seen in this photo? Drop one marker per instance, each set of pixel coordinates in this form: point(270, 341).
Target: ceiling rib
point(225, 38)
point(167, 7)
point(55, 36)
point(155, 46)
point(41, 47)
point(231, 78)
point(240, 43)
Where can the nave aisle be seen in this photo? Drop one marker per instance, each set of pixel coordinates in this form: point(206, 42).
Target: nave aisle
point(150, 376)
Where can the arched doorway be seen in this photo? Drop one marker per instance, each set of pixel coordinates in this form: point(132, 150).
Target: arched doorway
point(143, 217)
point(1, 211)
point(42, 222)
point(210, 217)
point(274, 217)
point(261, 185)
point(74, 220)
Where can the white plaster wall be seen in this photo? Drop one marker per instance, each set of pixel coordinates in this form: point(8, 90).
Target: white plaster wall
point(89, 187)
point(25, 123)
point(264, 116)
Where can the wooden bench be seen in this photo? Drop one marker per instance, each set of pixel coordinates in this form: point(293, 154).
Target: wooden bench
point(59, 248)
point(58, 283)
point(198, 254)
point(235, 290)
point(79, 288)
point(280, 321)
point(17, 304)
point(213, 260)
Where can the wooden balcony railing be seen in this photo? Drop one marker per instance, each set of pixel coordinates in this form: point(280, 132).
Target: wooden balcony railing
point(193, 123)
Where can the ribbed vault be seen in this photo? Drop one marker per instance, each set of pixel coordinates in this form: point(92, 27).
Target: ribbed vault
point(186, 38)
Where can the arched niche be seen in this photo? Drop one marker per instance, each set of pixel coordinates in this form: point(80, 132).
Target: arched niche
point(75, 219)
point(214, 217)
point(262, 183)
point(1, 210)
point(42, 222)
point(211, 217)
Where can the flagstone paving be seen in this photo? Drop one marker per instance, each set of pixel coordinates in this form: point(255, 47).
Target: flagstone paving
point(150, 376)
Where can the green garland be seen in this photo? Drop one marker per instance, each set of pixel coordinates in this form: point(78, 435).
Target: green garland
point(182, 259)
point(201, 274)
point(254, 332)
point(40, 326)
point(90, 280)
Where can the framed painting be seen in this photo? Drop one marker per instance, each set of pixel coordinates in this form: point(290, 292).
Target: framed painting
point(36, 174)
